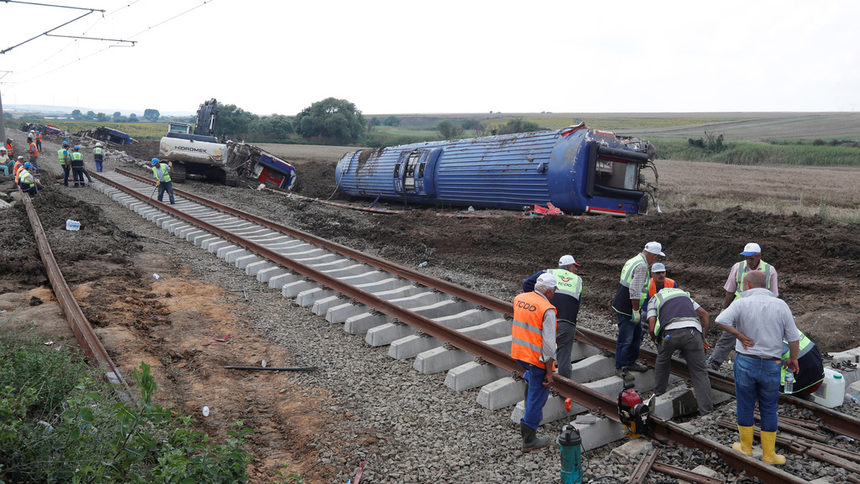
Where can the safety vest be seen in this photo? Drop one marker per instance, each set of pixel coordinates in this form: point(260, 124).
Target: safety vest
point(566, 282)
point(676, 304)
point(527, 332)
point(627, 276)
point(161, 172)
point(652, 287)
point(97, 153)
point(26, 177)
point(9, 150)
point(18, 166)
point(742, 272)
point(805, 346)
point(38, 136)
point(76, 156)
point(34, 151)
point(63, 155)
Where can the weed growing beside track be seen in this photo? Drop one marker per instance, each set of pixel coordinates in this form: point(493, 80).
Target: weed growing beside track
point(60, 423)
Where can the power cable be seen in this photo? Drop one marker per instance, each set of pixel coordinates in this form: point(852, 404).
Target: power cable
point(171, 18)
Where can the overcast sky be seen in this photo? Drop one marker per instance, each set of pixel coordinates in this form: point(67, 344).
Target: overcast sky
point(439, 56)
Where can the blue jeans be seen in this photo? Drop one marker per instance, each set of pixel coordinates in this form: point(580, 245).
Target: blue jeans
point(757, 380)
point(536, 396)
point(166, 187)
point(628, 342)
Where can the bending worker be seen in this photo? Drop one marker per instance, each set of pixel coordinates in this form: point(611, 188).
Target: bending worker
point(632, 289)
point(566, 300)
point(734, 285)
point(811, 367)
point(533, 346)
point(27, 181)
point(761, 322)
point(161, 171)
point(677, 322)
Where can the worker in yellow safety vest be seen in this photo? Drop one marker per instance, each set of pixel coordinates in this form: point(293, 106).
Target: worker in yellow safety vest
point(77, 161)
point(811, 368)
point(65, 162)
point(161, 171)
point(98, 157)
point(27, 181)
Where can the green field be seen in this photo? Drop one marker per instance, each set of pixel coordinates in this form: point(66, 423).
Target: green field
point(749, 153)
point(135, 130)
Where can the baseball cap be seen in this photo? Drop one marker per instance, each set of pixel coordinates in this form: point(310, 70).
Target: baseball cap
point(547, 280)
point(567, 260)
point(751, 249)
point(658, 267)
point(654, 248)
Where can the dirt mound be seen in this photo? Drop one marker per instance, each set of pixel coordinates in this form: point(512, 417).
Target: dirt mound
point(315, 179)
point(144, 149)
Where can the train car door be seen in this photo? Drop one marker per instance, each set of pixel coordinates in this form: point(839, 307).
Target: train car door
point(414, 173)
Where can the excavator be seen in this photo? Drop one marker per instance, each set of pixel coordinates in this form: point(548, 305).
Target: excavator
point(194, 149)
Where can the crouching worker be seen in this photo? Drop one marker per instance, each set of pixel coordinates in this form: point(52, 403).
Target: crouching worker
point(27, 181)
point(533, 346)
point(161, 171)
point(811, 373)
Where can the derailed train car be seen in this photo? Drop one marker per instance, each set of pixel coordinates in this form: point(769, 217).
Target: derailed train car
point(576, 169)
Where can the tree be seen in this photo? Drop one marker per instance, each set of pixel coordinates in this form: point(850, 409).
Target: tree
point(517, 125)
point(151, 115)
point(233, 121)
point(101, 117)
point(132, 118)
point(337, 119)
point(392, 121)
point(117, 116)
point(76, 114)
point(275, 126)
point(446, 129)
point(91, 115)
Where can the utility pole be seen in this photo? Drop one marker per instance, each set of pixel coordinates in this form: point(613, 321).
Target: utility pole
point(3, 118)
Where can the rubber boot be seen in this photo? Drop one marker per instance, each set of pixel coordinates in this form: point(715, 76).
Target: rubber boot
point(745, 445)
point(530, 440)
point(768, 445)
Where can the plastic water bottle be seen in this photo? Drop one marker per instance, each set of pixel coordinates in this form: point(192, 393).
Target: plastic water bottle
point(851, 397)
point(423, 264)
point(789, 383)
point(73, 225)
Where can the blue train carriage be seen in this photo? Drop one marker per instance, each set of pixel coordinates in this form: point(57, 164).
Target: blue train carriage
point(577, 169)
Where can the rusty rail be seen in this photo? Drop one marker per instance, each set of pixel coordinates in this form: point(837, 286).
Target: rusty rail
point(684, 474)
point(84, 334)
point(641, 471)
point(591, 399)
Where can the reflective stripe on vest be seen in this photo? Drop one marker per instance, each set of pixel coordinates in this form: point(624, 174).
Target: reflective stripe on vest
point(527, 330)
point(97, 152)
point(26, 177)
point(742, 272)
point(76, 156)
point(161, 172)
point(627, 276)
point(63, 156)
point(566, 282)
point(652, 287)
point(666, 295)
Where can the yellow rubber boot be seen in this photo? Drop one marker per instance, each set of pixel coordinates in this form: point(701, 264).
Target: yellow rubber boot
point(745, 445)
point(768, 445)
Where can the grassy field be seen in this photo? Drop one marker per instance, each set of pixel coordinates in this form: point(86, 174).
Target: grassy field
point(749, 153)
point(135, 130)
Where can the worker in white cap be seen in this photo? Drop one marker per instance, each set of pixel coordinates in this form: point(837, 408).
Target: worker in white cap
point(566, 301)
point(734, 287)
point(658, 281)
point(628, 302)
point(533, 346)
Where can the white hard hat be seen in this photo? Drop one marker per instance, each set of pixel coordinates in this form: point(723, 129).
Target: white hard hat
point(654, 248)
point(546, 280)
point(751, 249)
point(567, 260)
point(98, 144)
point(658, 267)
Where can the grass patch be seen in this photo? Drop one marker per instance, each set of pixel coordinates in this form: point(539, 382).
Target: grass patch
point(135, 130)
point(60, 423)
point(748, 153)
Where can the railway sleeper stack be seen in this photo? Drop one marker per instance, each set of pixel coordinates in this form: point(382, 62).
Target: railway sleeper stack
point(497, 389)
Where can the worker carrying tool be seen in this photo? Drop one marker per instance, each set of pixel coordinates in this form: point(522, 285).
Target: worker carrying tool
point(566, 300)
point(65, 159)
point(677, 323)
point(161, 171)
point(761, 322)
point(533, 346)
point(734, 285)
point(628, 302)
point(77, 161)
point(98, 157)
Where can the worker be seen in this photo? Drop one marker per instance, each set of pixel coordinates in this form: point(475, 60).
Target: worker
point(810, 365)
point(566, 301)
point(10, 148)
point(65, 162)
point(98, 157)
point(734, 284)
point(629, 298)
point(161, 171)
point(77, 161)
point(18, 166)
point(5, 162)
point(658, 281)
point(761, 322)
point(33, 152)
point(39, 140)
point(27, 181)
point(677, 322)
point(533, 346)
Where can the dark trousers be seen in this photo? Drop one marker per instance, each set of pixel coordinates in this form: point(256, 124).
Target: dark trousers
point(690, 343)
point(78, 175)
point(628, 342)
point(31, 189)
point(565, 334)
point(166, 187)
point(66, 170)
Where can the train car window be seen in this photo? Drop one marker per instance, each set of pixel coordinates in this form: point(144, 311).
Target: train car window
point(421, 170)
point(615, 173)
point(397, 170)
point(409, 171)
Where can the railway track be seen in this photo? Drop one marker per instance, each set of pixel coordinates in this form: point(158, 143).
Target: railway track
point(416, 315)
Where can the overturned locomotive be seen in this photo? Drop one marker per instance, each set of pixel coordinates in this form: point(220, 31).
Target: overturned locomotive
point(576, 169)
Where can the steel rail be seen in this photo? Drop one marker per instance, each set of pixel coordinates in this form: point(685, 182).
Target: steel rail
point(86, 337)
point(834, 421)
point(593, 400)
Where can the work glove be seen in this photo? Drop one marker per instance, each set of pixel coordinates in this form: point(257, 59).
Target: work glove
point(635, 317)
point(706, 346)
point(157, 183)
